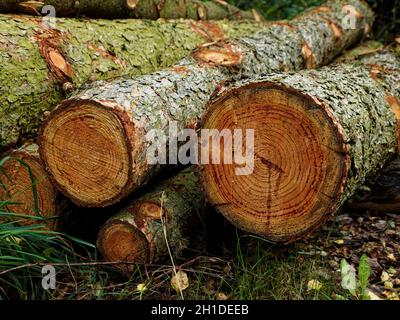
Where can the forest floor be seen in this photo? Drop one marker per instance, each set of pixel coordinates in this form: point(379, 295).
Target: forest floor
point(251, 268)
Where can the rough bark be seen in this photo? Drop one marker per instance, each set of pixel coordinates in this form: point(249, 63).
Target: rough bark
point(26, 189)
point(38, 65)
point(94, 144)
point(142, 9)
point(319, 135)
point(172, 211)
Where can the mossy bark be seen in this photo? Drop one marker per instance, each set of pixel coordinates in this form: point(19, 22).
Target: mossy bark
point(39, 65)
point(361, 100)
point(142, 9)
point(181, 93)
point(171, 214)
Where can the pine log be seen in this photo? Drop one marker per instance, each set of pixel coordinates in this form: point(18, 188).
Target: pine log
point(171, 213)
point(142, 9)
point(319, 135)
point(26, 188)
point(94, 144)
point(39, 65)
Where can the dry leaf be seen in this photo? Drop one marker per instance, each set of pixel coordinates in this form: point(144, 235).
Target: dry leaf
point(141, 287)
point(180, 281)
point(221, 296)
point(314, 285)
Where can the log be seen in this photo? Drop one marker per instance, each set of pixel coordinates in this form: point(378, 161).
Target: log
point(40, 65)
point(94, 144)
point(26, 188)
point(319, 135)
point(172, 212)
point(142, 9)
point(382, 194)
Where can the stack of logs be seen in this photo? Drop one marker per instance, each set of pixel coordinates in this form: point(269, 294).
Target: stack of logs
point(320, 132)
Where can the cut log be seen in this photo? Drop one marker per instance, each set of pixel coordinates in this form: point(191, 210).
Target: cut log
point(382, 194)
point(94, 144)
point(170, 215)
point(39, 65)
point(318, 136)
point(26, 189)
point(142, 9)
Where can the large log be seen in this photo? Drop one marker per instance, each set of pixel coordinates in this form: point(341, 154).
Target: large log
point(26, 189)
point(39, 65)
point(171, 214)
point(143, 9)
point(94, 144)
point(319, 135)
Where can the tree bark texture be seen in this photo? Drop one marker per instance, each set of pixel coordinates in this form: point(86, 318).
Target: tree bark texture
point(40, 65)
point(319, 135)
point(170, 215)
point(94, 144)
point(141, 9)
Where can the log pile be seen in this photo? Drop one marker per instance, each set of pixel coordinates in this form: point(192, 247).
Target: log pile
point(320, 132)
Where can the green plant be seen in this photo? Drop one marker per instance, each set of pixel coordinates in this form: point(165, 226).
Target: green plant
point(356, 286)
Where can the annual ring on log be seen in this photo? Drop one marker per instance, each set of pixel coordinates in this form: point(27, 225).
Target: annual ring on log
point(23, 175)
point(97, 160)
point(300, 161)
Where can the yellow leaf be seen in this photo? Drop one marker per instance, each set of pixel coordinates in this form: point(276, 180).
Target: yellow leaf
point(372, 295)
point(388, 285)
point(314, 285)
point(385, 276)
point(339, 241)
point(141, 287)
point(391, 257)
point(180, 281)
point(221, 296)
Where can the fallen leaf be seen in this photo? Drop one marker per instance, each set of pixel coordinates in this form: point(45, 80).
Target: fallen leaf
point(141, 287)
point(388, 285)
point(373, 296)
point(180, 281)
point(314, 285)
point(391, 257)
point(385, 276)
point(339, 241)
point(221, 296)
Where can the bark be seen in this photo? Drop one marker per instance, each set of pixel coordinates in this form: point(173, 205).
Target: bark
point(142, 9)
point(382, 194)
point(94, 144)
point(26, 189)
point(323, 134)
point(39, 66)
point(172, 212)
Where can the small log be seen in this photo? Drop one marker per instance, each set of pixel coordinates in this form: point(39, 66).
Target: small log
point(171, 213)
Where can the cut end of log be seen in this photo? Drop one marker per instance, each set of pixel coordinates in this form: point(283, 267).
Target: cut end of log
point(19, 188)
point(131, 4)
point(300, 161)
point(84, 147)
point(226, 56)
point(120, 241)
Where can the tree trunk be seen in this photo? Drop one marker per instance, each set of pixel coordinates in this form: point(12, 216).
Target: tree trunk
point(39, 65)
point(94, 144)
point(169, 215)
point(142, 9)
point(26, 188)
point(318, 136)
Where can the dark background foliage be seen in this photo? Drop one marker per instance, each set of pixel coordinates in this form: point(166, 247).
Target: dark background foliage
point(387, 25)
